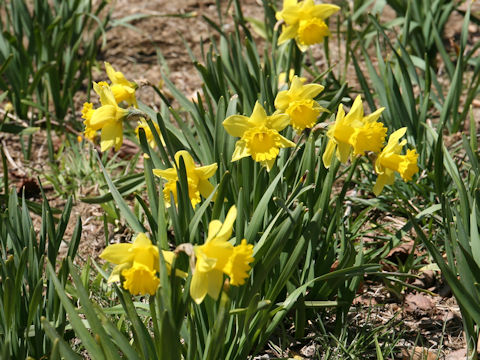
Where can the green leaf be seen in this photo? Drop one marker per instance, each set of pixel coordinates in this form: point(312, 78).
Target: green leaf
point(258, 26)
point(82, 332)
point(122, 205)
point(65, 348)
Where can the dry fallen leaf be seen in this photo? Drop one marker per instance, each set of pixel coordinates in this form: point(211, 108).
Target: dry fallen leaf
point(457, 355)
point(418, 353)
point(401, 252)
point(418, 303)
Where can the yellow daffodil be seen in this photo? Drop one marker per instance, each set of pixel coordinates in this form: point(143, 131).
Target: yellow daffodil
point(305, 22)
point(354, 131)
point(196, 176)
point(122, 89)
point(390, 161)
point(259, 135)
point(282, 78)
point(137, 264)
point(297, 102)
point(217, 257)
point(108, 117)
point(142, 124)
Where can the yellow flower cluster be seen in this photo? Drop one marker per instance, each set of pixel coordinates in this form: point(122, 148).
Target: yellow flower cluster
point(358, 134)
point(109, 116)
point(304, 22)
point(137, 263)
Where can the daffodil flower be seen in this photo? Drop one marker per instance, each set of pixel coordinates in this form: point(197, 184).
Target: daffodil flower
point(108, 118)
point(137, 264)
point(390, 161)
point(217, 257)
point(354, 131)
point(305, 22)
point(282, 78)
point(122, 89)
point(259, 135)
point(142, 124)
point(197, 177)
point(297, 102)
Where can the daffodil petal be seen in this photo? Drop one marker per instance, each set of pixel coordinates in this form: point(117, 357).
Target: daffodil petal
point(117, 253)
point(213, 229)
point(187, 159)
point(278, 121)
point(310, 90)
point(116, 77)
point(207, 171)
point(328, 153)
point(296, 85)
point(236, 125)
point(343, 152)
point(240, 151)
point(199, 286)
point(169, 174)
point(285, 143)
point(291, 15)
point(356, 112)
point(105, 93)
point(382, 180)
point(214, 283)
point(123, 93)
point(205, 188)
point(269, 164)
point(117, 270)
point(287, 3)
point(102, 116)
point(168, 256)
point(288, 32)
point(205, 264)
point(282, 100)
point(300, 46)
point(111, 136)
point(259, 116)
point(142, 240)
point(225, 231)
point(396, 135)
point(324, 11)
point(373, 116)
